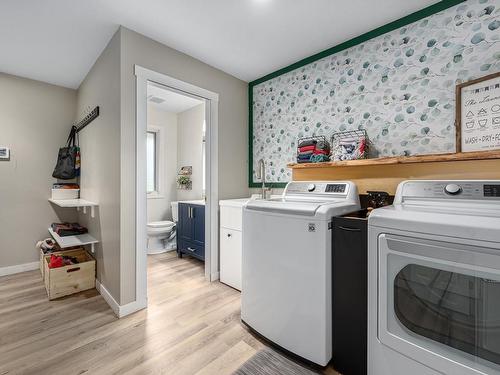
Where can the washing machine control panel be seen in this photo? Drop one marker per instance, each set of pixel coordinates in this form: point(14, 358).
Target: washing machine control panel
point(477, 190)
point(317, 188)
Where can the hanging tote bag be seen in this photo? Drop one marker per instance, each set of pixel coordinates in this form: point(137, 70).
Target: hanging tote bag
point(78, 160)
point(66, 166)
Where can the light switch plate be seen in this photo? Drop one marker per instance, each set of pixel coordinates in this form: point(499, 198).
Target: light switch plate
point(4, 153)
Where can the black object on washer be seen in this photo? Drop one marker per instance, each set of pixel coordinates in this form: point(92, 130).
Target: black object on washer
point(350, 278)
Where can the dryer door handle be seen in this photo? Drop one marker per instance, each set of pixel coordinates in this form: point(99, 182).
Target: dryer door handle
point(350, 229)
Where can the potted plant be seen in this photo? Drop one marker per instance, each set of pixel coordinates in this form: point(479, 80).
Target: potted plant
point(184, 182)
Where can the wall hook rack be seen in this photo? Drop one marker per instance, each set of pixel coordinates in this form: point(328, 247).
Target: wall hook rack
point(87, 119)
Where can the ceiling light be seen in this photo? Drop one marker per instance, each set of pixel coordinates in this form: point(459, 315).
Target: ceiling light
point(155, 99)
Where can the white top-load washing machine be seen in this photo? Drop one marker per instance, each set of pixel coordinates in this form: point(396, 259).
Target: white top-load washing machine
point(434, 280)
point(287, 266)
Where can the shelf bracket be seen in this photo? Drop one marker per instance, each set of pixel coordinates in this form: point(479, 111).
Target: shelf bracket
point(92, 210)
point(92, 248)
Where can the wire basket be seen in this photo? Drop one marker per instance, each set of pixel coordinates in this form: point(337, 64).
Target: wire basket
point(349, 145)
point(317, 149)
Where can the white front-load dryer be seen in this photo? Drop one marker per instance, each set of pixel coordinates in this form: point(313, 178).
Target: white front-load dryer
point(286, 275)
point(434, 280)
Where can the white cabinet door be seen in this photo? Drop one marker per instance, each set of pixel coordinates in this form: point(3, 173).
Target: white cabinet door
point(230, 257)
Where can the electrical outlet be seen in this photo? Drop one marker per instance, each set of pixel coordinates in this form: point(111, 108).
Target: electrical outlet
point(4, 153)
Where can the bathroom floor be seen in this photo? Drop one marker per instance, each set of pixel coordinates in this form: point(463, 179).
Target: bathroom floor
point(190, 327)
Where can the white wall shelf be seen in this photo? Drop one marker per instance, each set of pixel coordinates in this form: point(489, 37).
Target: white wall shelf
point(78, 240)
point(76, 203)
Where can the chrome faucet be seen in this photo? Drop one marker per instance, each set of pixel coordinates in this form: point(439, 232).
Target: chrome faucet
point(261, 173)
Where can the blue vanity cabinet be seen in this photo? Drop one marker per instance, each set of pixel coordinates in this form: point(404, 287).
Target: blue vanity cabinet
point(191, 230)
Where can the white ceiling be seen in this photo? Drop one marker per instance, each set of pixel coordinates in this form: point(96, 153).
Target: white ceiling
point(57, 41)
point(173, 102)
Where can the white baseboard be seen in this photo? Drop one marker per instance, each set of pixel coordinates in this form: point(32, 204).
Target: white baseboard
point(119, 310)
point(108, 297)
point(215, 276)
point(11, 270)
point(132, 307)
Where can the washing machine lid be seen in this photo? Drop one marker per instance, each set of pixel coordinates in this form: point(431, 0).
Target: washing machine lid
point(301, 207)
point(311, 198)
point(293, 207)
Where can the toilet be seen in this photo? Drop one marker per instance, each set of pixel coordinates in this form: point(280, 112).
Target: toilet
point(161, 234)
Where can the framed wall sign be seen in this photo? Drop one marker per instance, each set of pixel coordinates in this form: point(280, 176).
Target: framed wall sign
point(478, 114)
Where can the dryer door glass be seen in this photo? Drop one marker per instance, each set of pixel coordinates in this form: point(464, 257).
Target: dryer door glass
point(454, 309)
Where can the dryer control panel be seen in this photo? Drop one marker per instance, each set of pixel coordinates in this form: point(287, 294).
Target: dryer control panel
point(475, 190)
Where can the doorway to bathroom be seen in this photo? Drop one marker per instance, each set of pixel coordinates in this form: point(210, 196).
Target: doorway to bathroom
point(175, 152)
point(176, 173)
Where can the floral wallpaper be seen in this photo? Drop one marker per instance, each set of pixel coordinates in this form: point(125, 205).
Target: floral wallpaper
point(399, 87)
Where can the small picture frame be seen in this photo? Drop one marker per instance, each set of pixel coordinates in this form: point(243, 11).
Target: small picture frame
point(186, 170)
point(184, 182)
point(478, 114)
point(4, 153)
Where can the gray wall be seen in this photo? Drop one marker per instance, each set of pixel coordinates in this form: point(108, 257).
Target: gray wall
point(189, 149)
point(108, 145)
point(233, 130)
point(100, 149)
point(35, 119)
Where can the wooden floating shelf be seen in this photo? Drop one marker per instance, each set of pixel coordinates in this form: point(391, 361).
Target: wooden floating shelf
point(434, 158)
point(75, 203)
point(70, 241)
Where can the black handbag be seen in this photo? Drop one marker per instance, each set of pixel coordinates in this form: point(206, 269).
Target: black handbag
point(67, 166)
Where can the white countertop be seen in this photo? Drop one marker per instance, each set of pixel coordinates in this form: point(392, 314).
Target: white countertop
point(237, 202)
point(200, 202)
point(240, 202)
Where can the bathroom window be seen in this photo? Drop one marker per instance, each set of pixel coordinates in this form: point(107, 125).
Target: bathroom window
point(152, 162)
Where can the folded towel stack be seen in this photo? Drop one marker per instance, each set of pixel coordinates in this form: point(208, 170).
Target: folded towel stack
point(313, 151)
point(319, 158)
point(68, 229)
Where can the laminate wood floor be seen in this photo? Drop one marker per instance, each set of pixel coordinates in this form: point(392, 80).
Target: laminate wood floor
point(190, 327)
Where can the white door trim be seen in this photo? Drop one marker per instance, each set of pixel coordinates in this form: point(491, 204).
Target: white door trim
point(174, 83)
point(143, 76)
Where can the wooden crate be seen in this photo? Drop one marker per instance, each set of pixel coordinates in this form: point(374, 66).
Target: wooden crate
point(67, 280)
point(58, 252)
